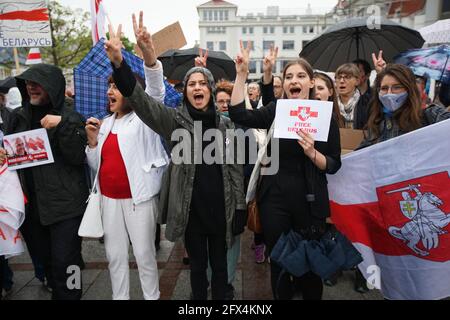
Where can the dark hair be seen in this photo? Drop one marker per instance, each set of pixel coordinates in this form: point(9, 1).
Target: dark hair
point(409, 116)
point(127, 107)
point(366, 65)
point(306, 66)
point(333, 98)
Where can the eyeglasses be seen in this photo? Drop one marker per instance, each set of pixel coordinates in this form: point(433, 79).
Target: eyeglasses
point(396, 88)
point(222, 102)
point(344, 77)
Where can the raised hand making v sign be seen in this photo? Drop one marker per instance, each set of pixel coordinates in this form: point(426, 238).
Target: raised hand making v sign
point(378, 62)
point(269, 62)
point(242, 61)
point(144, 41)
point(202, 58)
point(113, 46)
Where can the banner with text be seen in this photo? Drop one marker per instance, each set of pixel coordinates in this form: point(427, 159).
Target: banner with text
point(24, 23)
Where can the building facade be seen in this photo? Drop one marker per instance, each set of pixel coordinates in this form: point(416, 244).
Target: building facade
point(221, 29)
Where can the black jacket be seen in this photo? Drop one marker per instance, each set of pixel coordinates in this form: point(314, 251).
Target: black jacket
point(362, 112)
point(5, 114)
point(59, 189)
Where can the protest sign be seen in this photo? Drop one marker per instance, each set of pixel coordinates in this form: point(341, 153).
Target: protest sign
point(171, 37)
point(28, 149)
point(312, 116)
point(350, 140)
point(24, 24)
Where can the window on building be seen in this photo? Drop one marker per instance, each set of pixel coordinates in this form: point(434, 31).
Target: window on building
point(288, 45)
point(305, 29)
point(205, 15)
point(292, 29)
point(268, 44)
point(210, 16)
point(244, 30)
point(272, 30)
point(252, 66)
point(285, 29)
point(221, 15)
point(311, 29)
point(215, 15)
point(283, 64)
point(223, 46)
point(446, 6)
point(265, 30)
point(251, 30)
point(226, 15)
point(210, 45)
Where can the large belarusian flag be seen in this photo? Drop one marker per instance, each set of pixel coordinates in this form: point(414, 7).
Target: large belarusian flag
point(392, 201)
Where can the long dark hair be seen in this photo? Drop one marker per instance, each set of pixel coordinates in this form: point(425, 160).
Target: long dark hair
point(306, 66)
point(333, 98)
point(409, 116)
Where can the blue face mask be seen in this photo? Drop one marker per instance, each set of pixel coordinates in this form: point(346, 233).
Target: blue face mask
point(393, 102)
point(226, 114)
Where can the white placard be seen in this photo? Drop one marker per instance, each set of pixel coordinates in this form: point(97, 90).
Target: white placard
point(28, 149)
point(312, 116)
point(24, 23)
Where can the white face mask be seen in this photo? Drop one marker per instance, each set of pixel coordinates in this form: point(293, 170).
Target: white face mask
point(393, 102)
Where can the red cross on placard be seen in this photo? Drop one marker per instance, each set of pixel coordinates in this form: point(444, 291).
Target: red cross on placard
point(304, 113)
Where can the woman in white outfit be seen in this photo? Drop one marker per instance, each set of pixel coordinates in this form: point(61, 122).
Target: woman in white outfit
point(129, 159)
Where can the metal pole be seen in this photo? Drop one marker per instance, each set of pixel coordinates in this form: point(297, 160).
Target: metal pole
point(16, 58)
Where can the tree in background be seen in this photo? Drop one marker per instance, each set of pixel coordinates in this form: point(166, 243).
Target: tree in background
point(71, 36)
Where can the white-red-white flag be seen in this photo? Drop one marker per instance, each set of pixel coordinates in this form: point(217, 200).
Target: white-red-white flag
point(392, 201)
point(12, 213)
point(34, 56)
point(98, 18)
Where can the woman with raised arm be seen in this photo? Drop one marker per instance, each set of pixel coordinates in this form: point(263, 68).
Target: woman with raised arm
point(199, 198)
point(296, 197)
point(129, 159)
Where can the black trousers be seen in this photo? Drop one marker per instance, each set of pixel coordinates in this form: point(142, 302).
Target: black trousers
point(199, 247)
point(282, 206)
point(58, 247)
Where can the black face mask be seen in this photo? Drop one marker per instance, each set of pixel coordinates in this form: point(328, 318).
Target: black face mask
point(444, 94)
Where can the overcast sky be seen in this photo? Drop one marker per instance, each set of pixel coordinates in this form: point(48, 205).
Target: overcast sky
point(158, 14)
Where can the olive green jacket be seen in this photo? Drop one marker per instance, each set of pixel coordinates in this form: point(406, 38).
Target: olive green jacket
point(178, 180)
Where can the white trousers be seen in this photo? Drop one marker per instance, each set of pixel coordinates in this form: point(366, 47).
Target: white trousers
point(123, 222)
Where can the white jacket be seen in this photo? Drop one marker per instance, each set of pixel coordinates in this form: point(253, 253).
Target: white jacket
point(141, 148)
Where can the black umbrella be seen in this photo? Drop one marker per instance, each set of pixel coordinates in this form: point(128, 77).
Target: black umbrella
point(177, 62)
point(356, 39)
point(7, 84)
